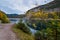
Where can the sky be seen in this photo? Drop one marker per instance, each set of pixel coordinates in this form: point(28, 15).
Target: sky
point(20, 6)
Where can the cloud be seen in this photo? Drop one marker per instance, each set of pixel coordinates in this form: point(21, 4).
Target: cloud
point(20, 5)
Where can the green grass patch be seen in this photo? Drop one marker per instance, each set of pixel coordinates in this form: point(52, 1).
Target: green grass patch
point(22, 35)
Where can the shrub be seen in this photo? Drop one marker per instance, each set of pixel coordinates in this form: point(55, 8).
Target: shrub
point(23, 27)
point(3, 17)
point(21, 35)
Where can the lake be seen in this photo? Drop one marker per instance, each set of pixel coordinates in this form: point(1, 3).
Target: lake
point(14, 20)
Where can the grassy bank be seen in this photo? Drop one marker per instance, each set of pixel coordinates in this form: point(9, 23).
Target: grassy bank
point(22, 35)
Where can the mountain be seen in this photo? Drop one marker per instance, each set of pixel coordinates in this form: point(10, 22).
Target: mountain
point(15, 15)
point(52, 6)
point(12, 15)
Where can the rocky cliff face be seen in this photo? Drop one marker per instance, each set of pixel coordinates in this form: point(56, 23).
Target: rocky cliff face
point(49, 7)
point(52, 6)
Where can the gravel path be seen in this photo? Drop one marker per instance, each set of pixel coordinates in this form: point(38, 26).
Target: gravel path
point(6, 32)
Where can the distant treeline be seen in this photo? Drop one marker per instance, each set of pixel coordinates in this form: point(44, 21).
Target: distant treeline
point(15, 15)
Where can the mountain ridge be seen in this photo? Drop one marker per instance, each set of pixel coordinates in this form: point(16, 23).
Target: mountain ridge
point(51, 5)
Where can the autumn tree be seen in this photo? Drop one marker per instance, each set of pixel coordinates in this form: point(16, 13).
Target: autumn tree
point(3, 17)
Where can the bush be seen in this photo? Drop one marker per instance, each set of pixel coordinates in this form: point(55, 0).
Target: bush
point(21, 35)
point(51, 32)
point(23, 27)
point(3, 17)
point(37, 36)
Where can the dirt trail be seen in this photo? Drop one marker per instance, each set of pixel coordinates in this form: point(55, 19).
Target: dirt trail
point(6, 32)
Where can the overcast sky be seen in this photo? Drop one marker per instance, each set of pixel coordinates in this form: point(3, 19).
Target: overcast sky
point(19, 6)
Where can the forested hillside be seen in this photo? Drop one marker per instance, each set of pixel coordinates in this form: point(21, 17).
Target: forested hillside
point(15, 15)
point(49, 7)
point(45, 19)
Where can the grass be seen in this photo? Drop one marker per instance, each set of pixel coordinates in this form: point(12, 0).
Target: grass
point(22, 35)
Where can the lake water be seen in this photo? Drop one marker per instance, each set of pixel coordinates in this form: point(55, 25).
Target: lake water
point(14, 20)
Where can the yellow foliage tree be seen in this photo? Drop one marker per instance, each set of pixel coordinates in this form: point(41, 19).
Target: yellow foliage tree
point(3, 17)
